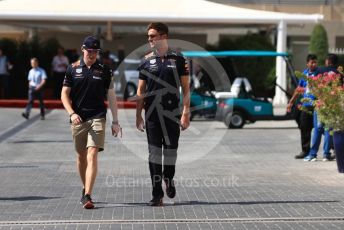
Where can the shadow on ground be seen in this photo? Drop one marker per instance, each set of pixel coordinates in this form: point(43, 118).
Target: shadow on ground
point(27, 198)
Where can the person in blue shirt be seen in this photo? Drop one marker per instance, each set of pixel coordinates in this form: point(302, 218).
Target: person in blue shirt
point(37, 79)
point(331, 66)
point(306, 116)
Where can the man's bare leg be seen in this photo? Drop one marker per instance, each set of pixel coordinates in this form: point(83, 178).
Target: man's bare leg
point(82, 166)
point(91, 171)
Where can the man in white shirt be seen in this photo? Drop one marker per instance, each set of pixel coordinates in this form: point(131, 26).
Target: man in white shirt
point(37, 79)
point(59, 67)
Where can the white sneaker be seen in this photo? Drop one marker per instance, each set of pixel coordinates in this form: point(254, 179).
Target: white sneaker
point(326, 159)
point(310, 158)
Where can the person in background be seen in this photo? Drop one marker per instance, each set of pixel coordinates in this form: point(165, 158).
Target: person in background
point(318, 126)
point(331, 65)
point(306, 116)
point(37, 78)
point(59, 67)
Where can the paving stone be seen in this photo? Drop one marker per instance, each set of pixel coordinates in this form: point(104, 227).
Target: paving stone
point(247, 173)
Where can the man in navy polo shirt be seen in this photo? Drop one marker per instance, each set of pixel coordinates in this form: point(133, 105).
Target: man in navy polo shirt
point(85, 87)
point(162, 72)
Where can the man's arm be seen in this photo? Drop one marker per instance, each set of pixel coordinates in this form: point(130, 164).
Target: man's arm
point(44, 79)
point(41, 85)
point(141, 90)
point(115, 127)
point(67, 104)
point(113, 104)
point(296, 94)
point(185, 119)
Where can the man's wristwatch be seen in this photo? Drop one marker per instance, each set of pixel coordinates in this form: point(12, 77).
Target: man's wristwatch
point(115, 122)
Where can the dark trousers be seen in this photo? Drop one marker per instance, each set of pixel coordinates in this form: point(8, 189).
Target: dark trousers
point(306, 126)
point(58, 82)
point(163, 140)
point(31, 97)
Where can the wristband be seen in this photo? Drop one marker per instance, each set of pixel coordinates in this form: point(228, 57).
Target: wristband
point(70, 115)
point(115, 122)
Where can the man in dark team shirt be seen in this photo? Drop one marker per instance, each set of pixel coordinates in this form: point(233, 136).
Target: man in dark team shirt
point(162, 73)
point(85, 87)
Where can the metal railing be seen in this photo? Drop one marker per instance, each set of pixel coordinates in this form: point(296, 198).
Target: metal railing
point(339, 51)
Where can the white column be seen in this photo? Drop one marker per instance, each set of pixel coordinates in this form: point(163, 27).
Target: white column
point(280, 97)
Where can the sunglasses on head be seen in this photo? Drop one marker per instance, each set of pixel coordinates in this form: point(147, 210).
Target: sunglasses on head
point(153, 35)
point(91, 50)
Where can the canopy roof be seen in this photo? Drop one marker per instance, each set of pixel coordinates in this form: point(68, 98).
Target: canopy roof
point(134, 11)
point(234, 53)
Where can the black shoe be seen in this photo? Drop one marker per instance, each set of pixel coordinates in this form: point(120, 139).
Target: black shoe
point(170, 188)
point(25, 115)
point(301, 155)
point(82, 195)
point(87, 202)
point(42, 118)
point(156, 201)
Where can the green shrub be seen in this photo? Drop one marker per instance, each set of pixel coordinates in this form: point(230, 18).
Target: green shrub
point(319, 43)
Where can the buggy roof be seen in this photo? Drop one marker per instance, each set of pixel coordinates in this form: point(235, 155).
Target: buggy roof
point(234, 53)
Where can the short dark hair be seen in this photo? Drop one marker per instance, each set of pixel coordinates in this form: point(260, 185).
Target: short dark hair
point(333, 59)
point(34, 59)
point(311, 57)
point(158, 26)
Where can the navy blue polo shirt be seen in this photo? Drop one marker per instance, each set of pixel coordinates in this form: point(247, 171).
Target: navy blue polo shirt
point(89, 88)
point(327, 69)
point(162, 76)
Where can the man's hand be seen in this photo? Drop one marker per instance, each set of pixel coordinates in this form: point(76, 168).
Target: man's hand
point(140, 124)
point(116, 130)
point(76, 64)
point(300, 90)
point(76, 119)
point(38, 88)
point(185, 121)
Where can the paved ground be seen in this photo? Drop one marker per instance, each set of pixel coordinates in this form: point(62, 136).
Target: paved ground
point(226, 179)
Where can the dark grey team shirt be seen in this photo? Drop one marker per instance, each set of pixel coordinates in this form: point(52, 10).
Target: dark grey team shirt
point(89, 88)
point(162, 76)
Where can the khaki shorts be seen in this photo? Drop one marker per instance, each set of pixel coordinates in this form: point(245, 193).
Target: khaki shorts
point(89, 134)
